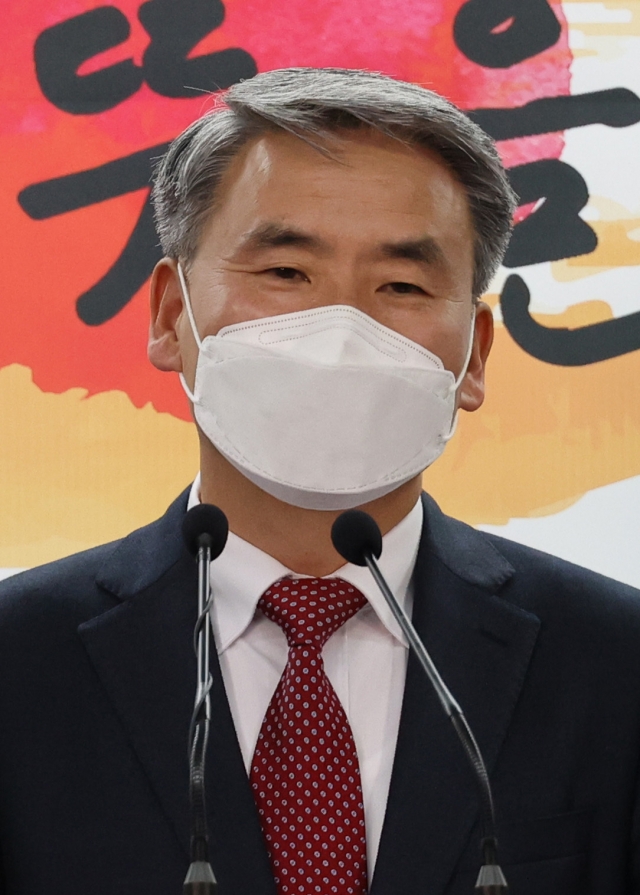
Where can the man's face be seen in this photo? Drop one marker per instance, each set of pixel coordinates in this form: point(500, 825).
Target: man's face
point(381, 226)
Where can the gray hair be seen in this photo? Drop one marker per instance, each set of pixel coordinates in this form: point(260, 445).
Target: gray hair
point(316, 105)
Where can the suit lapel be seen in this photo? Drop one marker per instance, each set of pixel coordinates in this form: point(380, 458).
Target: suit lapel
point(482, 646)
point(142, 652)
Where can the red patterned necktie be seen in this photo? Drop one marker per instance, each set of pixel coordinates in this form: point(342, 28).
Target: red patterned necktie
point(305, 773)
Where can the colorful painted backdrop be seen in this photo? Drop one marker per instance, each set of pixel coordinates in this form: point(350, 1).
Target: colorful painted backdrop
point(95, 442)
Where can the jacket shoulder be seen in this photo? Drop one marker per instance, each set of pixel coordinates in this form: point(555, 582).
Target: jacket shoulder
point(86, 584)
point(564, 594)
point(67, 585)
point(549, 587)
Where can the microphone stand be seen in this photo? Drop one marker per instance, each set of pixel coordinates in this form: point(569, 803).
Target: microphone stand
point(200, 879)
point(491, 880)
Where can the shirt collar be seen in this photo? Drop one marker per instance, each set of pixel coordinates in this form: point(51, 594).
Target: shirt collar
point(243, 572)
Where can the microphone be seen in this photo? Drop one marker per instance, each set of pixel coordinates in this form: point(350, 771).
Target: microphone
point(357, 538)
point(205, 530)
point(205, 525)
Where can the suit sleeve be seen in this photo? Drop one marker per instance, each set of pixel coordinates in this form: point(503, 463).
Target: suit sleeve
point(634, 856)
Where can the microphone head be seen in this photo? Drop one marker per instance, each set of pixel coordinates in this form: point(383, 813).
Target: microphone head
point(205, 526)
point(355, 535)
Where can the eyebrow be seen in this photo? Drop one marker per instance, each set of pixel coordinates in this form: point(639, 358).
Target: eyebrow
point(273, 236)
point(425, 250)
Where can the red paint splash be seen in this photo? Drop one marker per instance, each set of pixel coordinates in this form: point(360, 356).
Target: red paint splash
point(49, 263)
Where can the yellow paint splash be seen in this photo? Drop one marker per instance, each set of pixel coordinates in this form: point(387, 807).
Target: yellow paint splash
point(545, 436)
point(618, 232)
point(624, 22)
point(79, 471)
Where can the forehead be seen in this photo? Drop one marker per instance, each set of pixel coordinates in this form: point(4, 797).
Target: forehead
point(363, 184)
point(345, 155)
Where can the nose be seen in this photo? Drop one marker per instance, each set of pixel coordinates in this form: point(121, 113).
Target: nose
point(346, 286)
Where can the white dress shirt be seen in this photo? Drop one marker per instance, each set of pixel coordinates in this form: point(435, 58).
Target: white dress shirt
point(365, 660)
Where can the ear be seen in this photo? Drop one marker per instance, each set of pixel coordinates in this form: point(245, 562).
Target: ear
point(163, 348)
point(471, 391)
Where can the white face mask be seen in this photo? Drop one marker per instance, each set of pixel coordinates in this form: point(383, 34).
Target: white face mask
point(324, 409)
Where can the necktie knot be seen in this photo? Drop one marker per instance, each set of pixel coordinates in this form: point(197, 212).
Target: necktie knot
point(310, 610)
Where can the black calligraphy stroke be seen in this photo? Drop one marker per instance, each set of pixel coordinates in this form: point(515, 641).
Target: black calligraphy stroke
point(141, 253)
point(130, 271)
point(553, 231)
point(492, 33)
point(72, 191)
point(501, 33)
point(175, 29)
point(617, 107)
point(60, 50)
point(562, 346)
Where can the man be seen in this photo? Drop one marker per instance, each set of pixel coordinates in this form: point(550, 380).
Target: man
point(328, 237)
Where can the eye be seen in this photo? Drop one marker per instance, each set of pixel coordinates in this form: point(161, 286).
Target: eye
point(286, 273)
point(405, 288)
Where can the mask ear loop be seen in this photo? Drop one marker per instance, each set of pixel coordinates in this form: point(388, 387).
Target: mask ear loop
point(463, 373)
point(187, 303)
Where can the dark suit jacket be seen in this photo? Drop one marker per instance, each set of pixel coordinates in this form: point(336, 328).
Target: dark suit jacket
point(97, 682)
